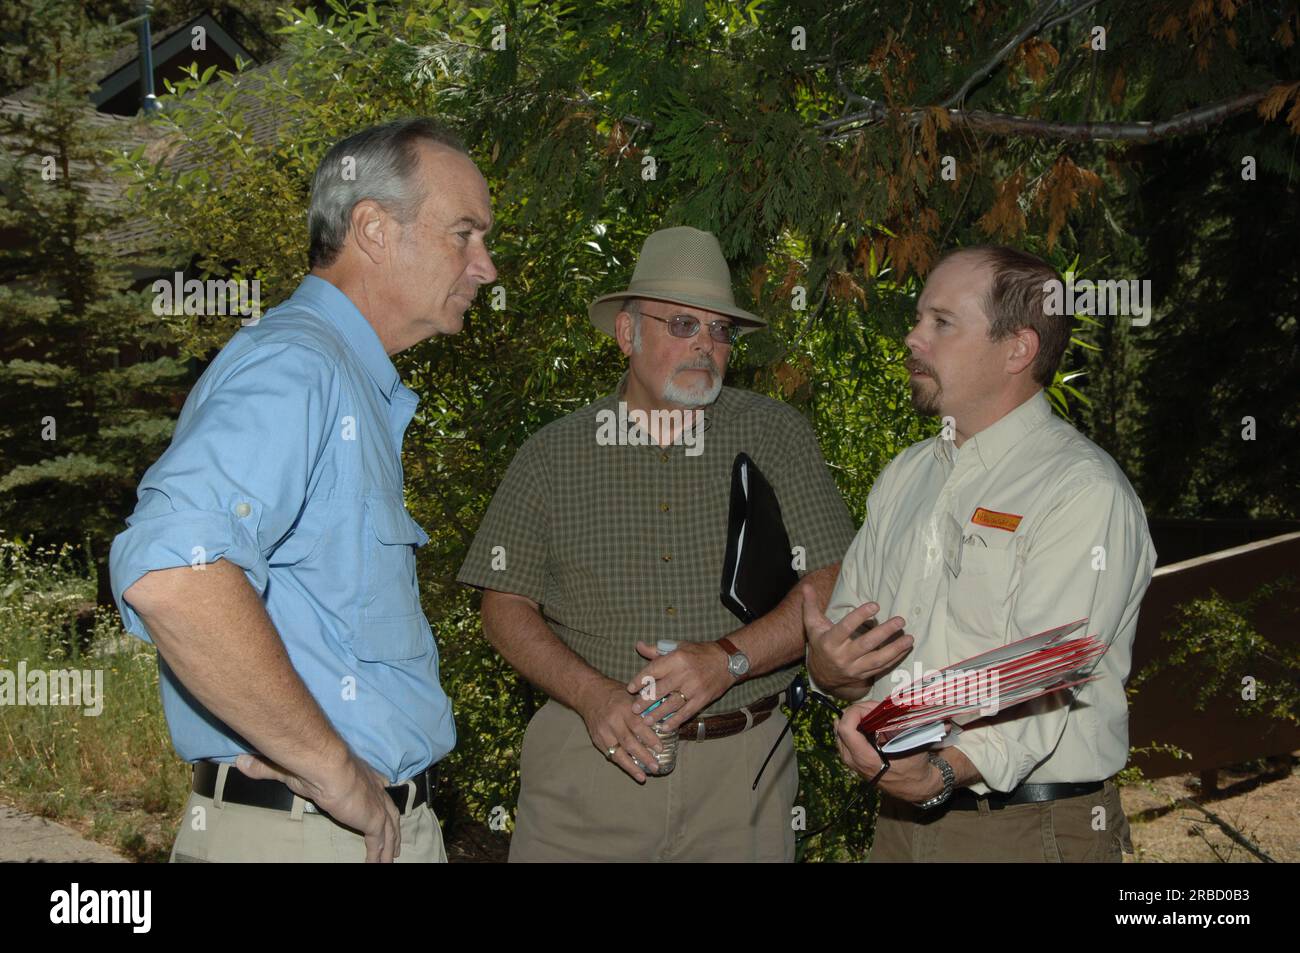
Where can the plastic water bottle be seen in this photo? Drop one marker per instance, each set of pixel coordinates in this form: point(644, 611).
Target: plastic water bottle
point(667, 736)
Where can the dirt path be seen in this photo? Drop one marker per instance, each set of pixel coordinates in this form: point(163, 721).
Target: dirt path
point(1262, 805)
point(28, 839)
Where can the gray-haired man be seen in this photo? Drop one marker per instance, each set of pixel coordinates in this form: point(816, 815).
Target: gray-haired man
point(299, 673)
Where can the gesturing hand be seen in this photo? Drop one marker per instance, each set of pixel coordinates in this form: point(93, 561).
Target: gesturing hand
point(845, 664)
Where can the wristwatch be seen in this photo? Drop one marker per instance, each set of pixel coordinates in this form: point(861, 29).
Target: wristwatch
point(945, 769)
point(737, 661)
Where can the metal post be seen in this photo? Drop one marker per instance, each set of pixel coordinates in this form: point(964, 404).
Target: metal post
point(148, 101)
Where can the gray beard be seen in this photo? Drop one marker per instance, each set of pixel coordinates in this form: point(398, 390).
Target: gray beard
point(693, 396)
point(683, 396)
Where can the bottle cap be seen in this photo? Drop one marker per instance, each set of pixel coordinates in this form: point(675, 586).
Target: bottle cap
point(665, 646)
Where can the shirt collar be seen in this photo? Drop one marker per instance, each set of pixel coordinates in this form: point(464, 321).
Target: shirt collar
point(945, 451)
point(996, 440)
point(331, 304)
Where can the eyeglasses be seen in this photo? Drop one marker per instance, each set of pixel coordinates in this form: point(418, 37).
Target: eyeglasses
point(687, 326)
point(797, 696)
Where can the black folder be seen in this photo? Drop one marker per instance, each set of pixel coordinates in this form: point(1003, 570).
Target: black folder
point(756, 573)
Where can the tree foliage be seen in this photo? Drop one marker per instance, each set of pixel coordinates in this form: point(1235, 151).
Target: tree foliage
point(78, 418)
point(836, 149)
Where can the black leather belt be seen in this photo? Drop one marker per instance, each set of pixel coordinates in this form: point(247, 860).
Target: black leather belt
point(276, 796)
point(964, 799)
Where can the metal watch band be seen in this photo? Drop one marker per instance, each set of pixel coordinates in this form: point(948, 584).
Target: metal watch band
point(945, 770)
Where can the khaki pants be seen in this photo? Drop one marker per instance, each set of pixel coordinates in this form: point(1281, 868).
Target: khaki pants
point(576, 806)
point(217, 832)
point(1051, 832)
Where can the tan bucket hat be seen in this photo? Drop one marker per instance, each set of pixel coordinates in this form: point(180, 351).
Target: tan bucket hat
point(680, 265)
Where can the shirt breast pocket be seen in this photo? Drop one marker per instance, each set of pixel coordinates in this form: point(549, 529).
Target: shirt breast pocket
point(979, 598)
point(392, 624)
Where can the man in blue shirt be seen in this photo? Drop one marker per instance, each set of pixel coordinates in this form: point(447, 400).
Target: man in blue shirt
point(270, 557)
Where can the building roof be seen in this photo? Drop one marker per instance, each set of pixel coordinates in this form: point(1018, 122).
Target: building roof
point(161, 139)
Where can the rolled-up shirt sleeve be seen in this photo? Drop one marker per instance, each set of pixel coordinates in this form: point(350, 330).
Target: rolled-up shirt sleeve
point(1090, 557)
point(235, 478)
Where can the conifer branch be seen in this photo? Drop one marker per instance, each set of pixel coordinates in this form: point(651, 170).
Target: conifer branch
point(1005, 124)
point(628, 120)
point(1069, 15)
point(1031, 28)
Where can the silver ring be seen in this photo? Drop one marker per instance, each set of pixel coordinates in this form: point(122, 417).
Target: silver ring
point(609, 753)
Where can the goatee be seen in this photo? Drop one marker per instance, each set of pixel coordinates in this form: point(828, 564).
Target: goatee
point(925, 404)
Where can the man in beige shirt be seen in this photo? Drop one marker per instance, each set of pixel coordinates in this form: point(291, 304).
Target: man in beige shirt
point(1007, 523)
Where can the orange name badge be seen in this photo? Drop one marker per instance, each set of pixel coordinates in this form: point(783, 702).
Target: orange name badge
point(1006, 521)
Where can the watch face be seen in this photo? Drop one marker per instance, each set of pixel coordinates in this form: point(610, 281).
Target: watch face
point(738, 663)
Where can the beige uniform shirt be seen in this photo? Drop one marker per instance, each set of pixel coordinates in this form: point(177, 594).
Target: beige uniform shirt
point(1031, 527)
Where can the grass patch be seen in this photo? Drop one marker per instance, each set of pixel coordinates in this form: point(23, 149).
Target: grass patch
point(113, 776)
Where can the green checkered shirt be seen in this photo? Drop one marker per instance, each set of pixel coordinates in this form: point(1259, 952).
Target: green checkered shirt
point(620, 543)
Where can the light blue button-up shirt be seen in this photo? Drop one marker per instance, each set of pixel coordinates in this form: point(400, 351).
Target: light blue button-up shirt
point(286, 461)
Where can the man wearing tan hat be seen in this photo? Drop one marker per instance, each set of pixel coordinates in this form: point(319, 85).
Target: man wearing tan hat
point(602, 541)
